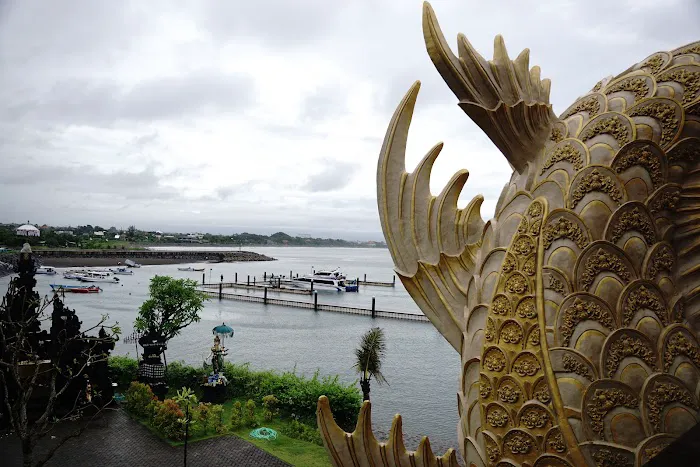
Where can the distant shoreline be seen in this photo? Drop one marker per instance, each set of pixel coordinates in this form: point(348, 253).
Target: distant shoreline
point(76, 258)
point(235, 247)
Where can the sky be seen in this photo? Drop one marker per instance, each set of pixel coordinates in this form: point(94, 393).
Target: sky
point(268, 115)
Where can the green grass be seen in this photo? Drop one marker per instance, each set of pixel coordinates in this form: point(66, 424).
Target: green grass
point(294, 451)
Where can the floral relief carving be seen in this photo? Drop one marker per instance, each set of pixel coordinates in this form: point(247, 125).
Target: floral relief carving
point(598, 86)
point(662, 395)
point(679, 344)
point(523, 245)
point(542, 393)
point(581, 311)
point(654, 63)
point(555, 442)
point(572, 365)
point(638, 86)
point(526, 365)
point(484, 389)
point(522, 227)
point(634, 220)
point(501, 305)
point(518, 443)
point(535, 210)
point(643, 298)
point(490, 330)
point(602, 402)
point(526, 309)
point(535, 227)
point(564, 228)
point(534, 338)
point(665, 114)
point(556, 285)
point(534, 417)
point(566, 153)
point(590, 105)
point(628, 346)
point(612, 126)
point(608, 458)
point(497, 417)
point(663, 260)
point(654, 451)
point(529, 266)
point(517, 284)
point(511, 333)
point(685, 153)
point(494, 360)
point(690, 81)
point(594, 181)
point(508, 264)
point(556, 135)
point(666, 201)
point(508, 393)
point(643, 157)
point(603, 261)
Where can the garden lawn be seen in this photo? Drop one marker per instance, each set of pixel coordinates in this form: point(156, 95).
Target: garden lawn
point(294, 451)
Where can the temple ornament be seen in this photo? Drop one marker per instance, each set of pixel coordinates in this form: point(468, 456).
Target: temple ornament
point(576, 308)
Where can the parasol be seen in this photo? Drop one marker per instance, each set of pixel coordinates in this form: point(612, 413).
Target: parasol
point(223, 331)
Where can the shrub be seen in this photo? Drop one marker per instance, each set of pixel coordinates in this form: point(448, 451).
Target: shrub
point(140, 400)
point(236, 415)
point(180, 375)
point(298, 430)
point(123, 370)
point(216, 418)
point(169, 420)
point(202, 415)
point(270, 407)
point(249, 417)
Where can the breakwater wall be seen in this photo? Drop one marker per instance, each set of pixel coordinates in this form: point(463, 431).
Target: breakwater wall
point(148, 255)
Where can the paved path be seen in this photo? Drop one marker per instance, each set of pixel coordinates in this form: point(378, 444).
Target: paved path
point(116, 441)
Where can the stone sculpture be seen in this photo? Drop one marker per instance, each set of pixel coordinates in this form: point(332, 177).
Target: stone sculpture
point(576, 308)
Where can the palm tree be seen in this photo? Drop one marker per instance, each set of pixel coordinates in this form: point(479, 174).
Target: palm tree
point(369, 359)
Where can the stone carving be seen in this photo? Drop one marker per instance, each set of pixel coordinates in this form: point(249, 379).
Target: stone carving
point(612, 126)
point(574, 366)
point(636, 85)
point(603, 401)
point(564, 228)
point(600, 262)
point(665, 114)
point(643, 157)
point(537, 298)
point(594, 181)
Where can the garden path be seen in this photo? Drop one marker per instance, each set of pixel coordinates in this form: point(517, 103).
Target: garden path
point(116, 440)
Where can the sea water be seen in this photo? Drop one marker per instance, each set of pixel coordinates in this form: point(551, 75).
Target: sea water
point(421, 368)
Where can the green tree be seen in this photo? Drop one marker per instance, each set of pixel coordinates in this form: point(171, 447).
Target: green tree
point(369, 359)
point(174, 304)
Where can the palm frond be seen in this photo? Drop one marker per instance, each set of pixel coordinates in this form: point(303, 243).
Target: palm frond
point(370, 354)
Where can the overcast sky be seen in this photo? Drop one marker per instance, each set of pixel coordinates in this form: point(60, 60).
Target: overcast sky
point(225, 116)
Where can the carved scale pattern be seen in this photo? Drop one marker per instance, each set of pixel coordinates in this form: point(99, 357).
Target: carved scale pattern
point(616, 312)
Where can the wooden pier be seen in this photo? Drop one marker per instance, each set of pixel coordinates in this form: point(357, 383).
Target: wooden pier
point(252, 281)
point(260, 287)
point(373, 312)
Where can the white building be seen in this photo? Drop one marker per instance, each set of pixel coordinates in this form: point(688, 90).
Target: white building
point(99, 233)
point(27, 230)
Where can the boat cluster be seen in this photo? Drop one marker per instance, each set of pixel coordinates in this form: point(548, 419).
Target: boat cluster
point(88, 275)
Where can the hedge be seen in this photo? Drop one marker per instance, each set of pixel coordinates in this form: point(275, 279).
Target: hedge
point(297, 395)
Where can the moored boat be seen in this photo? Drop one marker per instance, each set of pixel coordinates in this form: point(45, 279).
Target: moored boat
point(46, 270)
point(75, 288)
point(324, 279)
point(122, 271)
point(191, 269)
point(93, 277)
point(132, 264)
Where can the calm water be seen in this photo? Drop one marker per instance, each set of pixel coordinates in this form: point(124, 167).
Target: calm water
point(421, 368)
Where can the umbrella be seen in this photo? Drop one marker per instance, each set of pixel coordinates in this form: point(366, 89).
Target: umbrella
point(223, 331)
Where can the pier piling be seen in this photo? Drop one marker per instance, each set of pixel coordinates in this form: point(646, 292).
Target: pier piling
point(235, 280)
point(265, 275)
point(202, 278)
point(315, 301)
point(374, 310)
point(248, 282)
point(365, 279)
point(221, 285)
point(393, 280)
point(312, 285)
point(265, 296)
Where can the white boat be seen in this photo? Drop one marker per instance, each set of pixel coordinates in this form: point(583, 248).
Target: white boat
point(122, 271)
point(46, 270)
point(190, 268)
point(131, 264)
point(323, 279)
point(91, 277)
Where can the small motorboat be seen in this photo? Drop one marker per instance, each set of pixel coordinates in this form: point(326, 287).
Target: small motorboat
point(91, 277)
point(46, 270)
point(75, 288)
point(191, 269)
point(122, 271)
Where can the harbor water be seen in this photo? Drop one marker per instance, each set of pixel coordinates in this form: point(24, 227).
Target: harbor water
point(421, 368)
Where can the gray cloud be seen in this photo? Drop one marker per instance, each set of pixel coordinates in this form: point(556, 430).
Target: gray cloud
point(334, 176)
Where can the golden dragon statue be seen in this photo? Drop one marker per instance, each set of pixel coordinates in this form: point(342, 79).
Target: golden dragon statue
point(575, 309)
